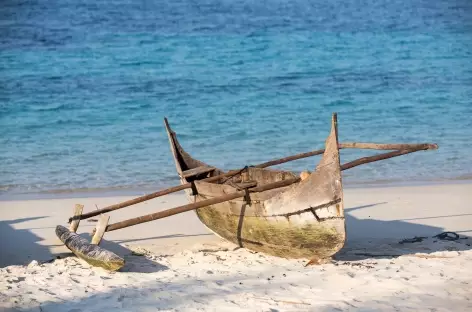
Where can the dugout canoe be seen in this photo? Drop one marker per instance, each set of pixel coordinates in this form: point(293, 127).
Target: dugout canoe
point(304, 220)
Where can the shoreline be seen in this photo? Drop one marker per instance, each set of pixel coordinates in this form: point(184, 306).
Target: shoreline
point(418, 209)
point(137, 191)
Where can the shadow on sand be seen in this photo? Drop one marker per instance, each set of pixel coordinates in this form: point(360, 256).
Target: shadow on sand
point(134, 262)
point(19, 246)
point(371, 238)
point(365, 236)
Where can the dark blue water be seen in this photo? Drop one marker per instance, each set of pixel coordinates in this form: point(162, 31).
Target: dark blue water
point(84, 87)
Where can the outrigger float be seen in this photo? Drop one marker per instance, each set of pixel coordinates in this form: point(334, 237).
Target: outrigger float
point(275, 212)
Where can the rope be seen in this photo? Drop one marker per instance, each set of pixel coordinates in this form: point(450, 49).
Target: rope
point(416, 239)
point(449, 236)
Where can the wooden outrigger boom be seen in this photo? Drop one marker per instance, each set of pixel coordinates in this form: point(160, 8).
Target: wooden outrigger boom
point(399, 149)
point(272, 211)
point(185, 208)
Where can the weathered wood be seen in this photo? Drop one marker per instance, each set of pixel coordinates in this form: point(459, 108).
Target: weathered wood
point(100, 229)
point(388, 146)
point(92, 254)
point(289, 158)
point(348, 145)
point(77, 213)
point(245, 185)
point(369, 159)
point(193, 206)
point(197, 171)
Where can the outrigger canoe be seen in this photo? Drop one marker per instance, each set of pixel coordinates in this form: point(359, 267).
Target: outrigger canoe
point(303, 220)
point(275, 212)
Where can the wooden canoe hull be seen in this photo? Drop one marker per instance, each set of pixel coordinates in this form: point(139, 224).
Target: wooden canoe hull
point(279, 238)
point(92, 254)
point(304, 220)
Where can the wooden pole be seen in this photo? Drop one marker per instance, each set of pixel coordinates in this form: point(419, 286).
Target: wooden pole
point(131, 202)
point(290, 158)
point(77, 213)
point(100, 229)
point(377, 146)
point(182, 187)
point(216, 200)
point(200, 204)
point(369, 159)
point(355, 145)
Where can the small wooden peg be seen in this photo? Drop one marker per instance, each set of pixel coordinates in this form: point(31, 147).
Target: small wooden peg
point(100, 229)
point(76, 218)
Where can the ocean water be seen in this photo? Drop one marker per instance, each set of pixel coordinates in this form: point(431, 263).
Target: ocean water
point(85, 85)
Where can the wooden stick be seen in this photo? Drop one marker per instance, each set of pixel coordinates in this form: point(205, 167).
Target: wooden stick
point(100, 229)
point(77, 213)
point(369, 159)
point(377, 146)
point(200, 204)
point(289, 158)
point(263, 165)
point(354, 145)
point(132, 201)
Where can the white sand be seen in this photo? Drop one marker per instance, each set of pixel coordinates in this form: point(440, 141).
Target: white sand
point(185, 269)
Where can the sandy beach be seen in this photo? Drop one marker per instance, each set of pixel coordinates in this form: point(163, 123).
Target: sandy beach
point(350, 123)
point(176, 264)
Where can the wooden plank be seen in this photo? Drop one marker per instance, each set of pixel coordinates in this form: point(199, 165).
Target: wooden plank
point(92, 254)
point(77, 216)
point(100, 229)
point(197, 171)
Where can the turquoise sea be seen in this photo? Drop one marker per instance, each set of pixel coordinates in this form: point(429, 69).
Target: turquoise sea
point(85, 85)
